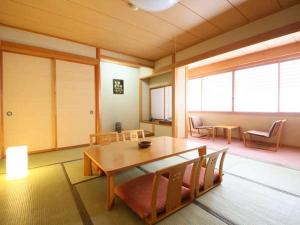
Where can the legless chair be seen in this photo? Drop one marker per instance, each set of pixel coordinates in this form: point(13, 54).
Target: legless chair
point(133, 135)
point(197, 124)
point(207, 176)
point(274, 131)
point(103, 138)
point(154, 196)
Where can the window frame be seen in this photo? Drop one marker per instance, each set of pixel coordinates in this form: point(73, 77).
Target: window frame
point(232, 70)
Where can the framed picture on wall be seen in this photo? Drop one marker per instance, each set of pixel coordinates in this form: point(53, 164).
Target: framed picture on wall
point(118, 86)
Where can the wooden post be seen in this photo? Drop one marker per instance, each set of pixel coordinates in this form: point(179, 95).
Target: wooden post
point(174, 115)
point(2, 153)
point(98, 93)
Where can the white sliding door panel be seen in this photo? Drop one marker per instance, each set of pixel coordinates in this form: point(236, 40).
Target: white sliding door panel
point(75, 96)
point(28, 101)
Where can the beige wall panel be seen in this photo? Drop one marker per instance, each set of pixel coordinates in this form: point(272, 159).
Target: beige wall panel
point(162, 130)
point(263, 122)
point(162, 80)
point(75, 91)
point(27, 93)
point(147, 127)
point(43, 41)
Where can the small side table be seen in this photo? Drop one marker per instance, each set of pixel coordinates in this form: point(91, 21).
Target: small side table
point(227, 131)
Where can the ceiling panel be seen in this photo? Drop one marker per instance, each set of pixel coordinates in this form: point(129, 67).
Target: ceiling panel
point(113, 25)
point(288, 3)
point(219, 12)
point(256, 9)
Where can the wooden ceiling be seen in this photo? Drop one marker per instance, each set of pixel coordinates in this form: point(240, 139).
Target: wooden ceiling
point(265, 45)
point(113, 25)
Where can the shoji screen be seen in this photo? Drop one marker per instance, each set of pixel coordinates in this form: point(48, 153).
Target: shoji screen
point(157, 103)
point(28, 101)
point(75, 94)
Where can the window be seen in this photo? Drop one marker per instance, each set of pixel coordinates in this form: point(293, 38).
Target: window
point(268, 88)
point(194, 94)
point(217, 92)
point(161, 103)
point(289, 86)
point(256, 89)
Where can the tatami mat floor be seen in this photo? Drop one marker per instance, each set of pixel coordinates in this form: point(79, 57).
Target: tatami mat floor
point(56, 192)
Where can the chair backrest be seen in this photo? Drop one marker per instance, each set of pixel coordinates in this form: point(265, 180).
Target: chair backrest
point(104, 138)
point(209, 161)
point(173, 194)
point(276, 126)
point(133, 135)
point(196, 121)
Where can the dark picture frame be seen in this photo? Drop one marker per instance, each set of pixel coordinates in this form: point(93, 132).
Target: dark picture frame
point(118, 86)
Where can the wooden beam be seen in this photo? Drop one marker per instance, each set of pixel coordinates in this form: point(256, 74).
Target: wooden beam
point(46, 53)
point(98, 116)
point(2, 151)
point(273, 55)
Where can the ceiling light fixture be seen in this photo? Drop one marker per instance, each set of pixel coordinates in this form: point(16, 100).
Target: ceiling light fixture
point(153, 5)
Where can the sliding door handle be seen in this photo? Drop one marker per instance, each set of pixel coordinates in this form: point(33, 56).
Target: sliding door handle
point(92, 112)
point(9, 113)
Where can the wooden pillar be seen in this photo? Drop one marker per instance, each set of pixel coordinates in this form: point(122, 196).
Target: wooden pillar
point(2, 151)
point(186, 103)
point(174, 115)
point(54, 102)
point(98, 92)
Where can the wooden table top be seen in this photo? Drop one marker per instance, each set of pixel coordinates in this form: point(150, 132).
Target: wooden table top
point(122, 155)
point(227, 126)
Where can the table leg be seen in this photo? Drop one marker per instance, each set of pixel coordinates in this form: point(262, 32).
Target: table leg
point(240, 133)
point(87, 165)
point(110, 191)
point(229, 136)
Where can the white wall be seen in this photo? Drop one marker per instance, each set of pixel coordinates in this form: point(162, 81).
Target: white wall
point(119, 108)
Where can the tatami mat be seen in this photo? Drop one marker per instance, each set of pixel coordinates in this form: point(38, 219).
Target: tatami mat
point(74, 170)
point(268, 174)
point(154, 166)
point(230, 160)
point(44, 197)
point(48, 158)
point(246, 203)
point(93, 194)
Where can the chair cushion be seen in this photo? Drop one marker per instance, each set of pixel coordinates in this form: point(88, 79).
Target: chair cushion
point(187, 176)
point(258, 133)
point(137, 194)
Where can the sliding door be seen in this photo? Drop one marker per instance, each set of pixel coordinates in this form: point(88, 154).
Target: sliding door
point(28, 101)
point(75, 97)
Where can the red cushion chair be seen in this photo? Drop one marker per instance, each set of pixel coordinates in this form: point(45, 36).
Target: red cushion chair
point(187, 175)
point(156, 195)
point(206, 175)
point(137, 194)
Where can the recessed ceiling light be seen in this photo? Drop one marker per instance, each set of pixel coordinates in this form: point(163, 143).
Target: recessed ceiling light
point(152, 5)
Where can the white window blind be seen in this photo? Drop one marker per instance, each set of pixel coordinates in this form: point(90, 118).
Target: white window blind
point(217, 92)
point(194, 95)
point(256, 89)
point(157, 103)
point(290, 86)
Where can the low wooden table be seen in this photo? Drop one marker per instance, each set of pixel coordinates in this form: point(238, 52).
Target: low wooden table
point(227, 131)
point(119, 156)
